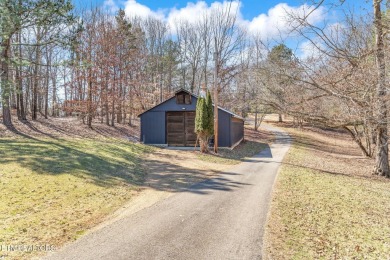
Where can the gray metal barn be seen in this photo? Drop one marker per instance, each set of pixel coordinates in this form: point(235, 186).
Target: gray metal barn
point(172, 123)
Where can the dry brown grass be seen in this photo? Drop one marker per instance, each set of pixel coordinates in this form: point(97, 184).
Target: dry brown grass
point(326, 203)
point(253, 143)
point(70, 127)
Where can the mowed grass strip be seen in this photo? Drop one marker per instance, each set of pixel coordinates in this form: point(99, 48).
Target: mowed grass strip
point(317, 214)
point(52, 191)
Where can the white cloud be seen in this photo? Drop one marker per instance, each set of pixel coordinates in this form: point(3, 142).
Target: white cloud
point(132, 8)
point(191, 13)
point(111, 6)
point(270, 25)
point(194, 12)
point(310, 50)
point(276, 23)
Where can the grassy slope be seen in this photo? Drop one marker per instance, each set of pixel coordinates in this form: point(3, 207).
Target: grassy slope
point(324, 208)
point(53, 190)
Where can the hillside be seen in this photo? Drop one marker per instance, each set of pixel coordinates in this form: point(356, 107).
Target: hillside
point(70, 127)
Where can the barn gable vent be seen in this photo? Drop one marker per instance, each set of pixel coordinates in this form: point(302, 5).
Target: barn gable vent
point(183, 98)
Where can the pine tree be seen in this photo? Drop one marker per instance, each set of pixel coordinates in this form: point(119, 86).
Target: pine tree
point(210, 114)
point(204, 125)
point(201, 115)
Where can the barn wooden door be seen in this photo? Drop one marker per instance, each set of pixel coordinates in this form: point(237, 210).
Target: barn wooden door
point(180, 128)
point(190, 136)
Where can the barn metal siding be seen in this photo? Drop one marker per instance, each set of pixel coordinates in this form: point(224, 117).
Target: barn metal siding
point(223, 128)
point(153, 127)
point(153, 123)
point(170, 105)
point(237, 131)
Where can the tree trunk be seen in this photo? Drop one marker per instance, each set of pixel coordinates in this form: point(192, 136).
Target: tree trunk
point(5, 47)
point(216, 58)
point(113, 101)
point(113, 113)
point(28, 96)
point(192, 86)
point(358, 141)
point(35, 84)
point(54, 95)
point(280, 118)
point(12, 91)
point(89, 101)
point(203, 143)
point(107, 112)
point(66, 90)
point(382, 149)
point(105, 96)
point(256, 112)
point(19, 85)
point(47, 82)
point(119, 111)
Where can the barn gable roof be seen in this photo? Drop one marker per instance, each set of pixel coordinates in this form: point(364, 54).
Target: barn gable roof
point(195, 96)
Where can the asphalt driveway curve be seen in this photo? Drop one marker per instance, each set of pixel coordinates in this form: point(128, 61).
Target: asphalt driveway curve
point(220, 218)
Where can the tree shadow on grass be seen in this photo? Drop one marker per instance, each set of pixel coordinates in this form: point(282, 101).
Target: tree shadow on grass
point(17, 132)
point(34, 129)
point(109, 164)
point(104, 164)
point(54, 127)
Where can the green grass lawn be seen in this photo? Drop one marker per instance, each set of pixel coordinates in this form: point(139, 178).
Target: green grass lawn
point(53, 190)
point(318, 215)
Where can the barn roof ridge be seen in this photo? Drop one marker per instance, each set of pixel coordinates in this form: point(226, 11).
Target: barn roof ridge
point(184, 90)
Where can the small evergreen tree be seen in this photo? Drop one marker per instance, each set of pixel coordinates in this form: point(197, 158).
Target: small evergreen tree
point(204, 121)
point(200, 115)
point(210, 114)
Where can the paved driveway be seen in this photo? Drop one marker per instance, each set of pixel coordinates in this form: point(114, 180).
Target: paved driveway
point(220, 218)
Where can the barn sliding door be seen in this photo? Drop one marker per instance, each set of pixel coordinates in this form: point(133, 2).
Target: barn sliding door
point(190, 136)
point(180, 128)
point(175, 128)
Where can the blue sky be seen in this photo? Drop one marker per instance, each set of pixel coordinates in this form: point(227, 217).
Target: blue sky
point(249, 9)
point(266, 19)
